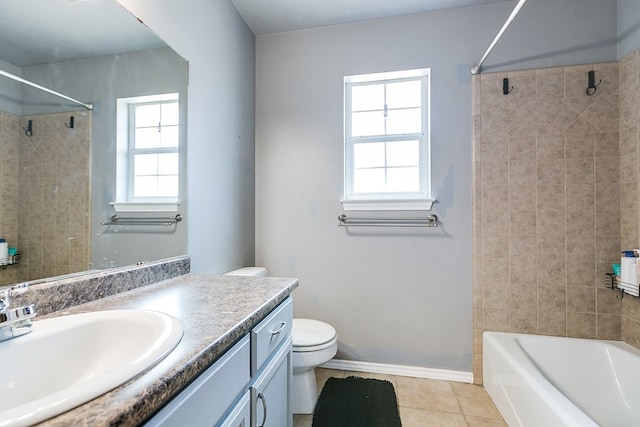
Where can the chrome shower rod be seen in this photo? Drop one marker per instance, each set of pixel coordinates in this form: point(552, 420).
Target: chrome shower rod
point(477, 68)
point(88, 106)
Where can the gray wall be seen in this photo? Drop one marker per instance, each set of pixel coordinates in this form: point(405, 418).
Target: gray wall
point(101, 80)
point(628, 26)
point(395, 299)
point(220, 49)
point(10, 90)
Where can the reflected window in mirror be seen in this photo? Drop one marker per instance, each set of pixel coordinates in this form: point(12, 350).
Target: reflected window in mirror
point(148, 149)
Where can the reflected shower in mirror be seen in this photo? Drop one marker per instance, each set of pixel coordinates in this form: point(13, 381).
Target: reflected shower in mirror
point(58, 175)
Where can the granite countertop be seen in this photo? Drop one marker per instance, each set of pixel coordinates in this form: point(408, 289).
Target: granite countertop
point(215, 312)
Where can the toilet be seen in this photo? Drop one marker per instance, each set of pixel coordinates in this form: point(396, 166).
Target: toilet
point(314, 343)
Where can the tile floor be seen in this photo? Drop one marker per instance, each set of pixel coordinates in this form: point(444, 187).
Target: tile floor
point(428, 403)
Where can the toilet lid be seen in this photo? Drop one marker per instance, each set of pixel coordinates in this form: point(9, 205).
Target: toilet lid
point(309, 332)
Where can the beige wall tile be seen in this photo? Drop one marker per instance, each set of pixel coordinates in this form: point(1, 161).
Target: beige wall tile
point(549, 83)
point(572, 223)
point(580, 222)
point(524, 321)
point(550, 146)
point(581, 325)
point(524, 298)
point(522, 222)
point(580, 171)
point(552, 323)
point(607, 144)
point(552, 298)
point(607, 170)
point(580, 273)
point(581, 300)
point(580, 146)
point(609, 327)
point(580, 196)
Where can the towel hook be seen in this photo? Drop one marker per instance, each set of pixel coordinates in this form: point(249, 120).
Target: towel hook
point(505, 87)
point(29, 129)
point(592, 86)
point(70, 124)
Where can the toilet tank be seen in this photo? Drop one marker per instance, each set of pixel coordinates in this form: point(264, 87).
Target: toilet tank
point(248, 271)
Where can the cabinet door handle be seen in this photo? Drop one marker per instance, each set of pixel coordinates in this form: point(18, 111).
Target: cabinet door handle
point(264, 409)
point(280, 329)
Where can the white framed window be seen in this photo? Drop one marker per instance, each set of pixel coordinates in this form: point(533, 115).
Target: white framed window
point(386, 143)
point(148, 164)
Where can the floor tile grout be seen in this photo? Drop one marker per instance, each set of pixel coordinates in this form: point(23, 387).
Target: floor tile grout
point(426, 402)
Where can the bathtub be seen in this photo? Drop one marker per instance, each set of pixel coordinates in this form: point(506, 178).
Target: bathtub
point(537, 380)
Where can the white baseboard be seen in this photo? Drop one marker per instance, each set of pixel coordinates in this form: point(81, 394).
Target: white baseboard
point(401, 370)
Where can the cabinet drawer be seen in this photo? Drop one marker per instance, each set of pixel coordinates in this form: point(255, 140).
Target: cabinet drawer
point(210, 396)
point(269, 333)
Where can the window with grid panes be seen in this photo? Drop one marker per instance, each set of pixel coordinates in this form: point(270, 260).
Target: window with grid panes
point(387, 159)
point(153, 162)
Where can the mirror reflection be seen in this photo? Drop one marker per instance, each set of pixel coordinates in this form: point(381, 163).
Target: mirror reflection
point(64, 166)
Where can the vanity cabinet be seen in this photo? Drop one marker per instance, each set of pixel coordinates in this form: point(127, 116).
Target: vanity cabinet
point(240, 415)
point(249, 386)
point(271, 369)
point(208, 398)
point(270, 391)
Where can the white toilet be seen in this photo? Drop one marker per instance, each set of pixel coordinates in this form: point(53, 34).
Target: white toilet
point(314, 343)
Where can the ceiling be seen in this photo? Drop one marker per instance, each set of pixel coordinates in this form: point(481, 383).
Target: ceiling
point(274, 16)
point(36, 32)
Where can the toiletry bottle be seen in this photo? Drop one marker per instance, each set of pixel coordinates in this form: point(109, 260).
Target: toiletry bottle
point(4, 252)
point(637, 281)
point(628, 269)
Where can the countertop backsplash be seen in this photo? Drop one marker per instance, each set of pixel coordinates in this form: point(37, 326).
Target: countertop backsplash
point(62, 292)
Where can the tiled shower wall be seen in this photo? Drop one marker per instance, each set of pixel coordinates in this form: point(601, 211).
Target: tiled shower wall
point(9, 158)
point(547, 205)
point(629, 191)
point(47, 189)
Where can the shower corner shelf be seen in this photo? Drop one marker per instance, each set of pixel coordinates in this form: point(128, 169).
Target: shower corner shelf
point(13, 260)
point(614, 284)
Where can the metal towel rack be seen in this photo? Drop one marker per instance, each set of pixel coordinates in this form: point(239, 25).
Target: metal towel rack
point(428, 221)
point(116, 220)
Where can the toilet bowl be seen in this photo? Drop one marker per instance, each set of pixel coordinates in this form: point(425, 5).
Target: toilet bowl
point(314, 343)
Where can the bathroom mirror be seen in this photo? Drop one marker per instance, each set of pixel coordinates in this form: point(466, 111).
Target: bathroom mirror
point(58, 180)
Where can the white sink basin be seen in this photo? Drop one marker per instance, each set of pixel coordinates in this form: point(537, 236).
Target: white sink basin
point(67, 361)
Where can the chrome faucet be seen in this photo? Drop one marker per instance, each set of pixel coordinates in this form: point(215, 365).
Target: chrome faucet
point(14, 321)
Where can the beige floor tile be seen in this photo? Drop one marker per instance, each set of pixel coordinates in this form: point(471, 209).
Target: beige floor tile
point(302, 420)
point(322, 375)
point(427, 403)
point(412, 417)
point(420, 393)
point(474, 400)
point(473, 421)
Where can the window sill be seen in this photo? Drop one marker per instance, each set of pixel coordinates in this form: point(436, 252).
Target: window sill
point(145, 206)
point(388, 205)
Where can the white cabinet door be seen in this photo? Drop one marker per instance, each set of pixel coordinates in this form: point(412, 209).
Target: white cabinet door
point(271, 391)
point(240, 416)
point(203, 402)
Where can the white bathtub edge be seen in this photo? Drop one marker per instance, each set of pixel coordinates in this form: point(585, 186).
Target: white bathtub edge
point(530, 399)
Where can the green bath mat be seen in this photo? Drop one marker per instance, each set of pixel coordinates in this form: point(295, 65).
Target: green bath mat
point(357, 402)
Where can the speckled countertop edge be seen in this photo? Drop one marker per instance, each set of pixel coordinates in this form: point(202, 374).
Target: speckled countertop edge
point(216, 311)
point(59, 293)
